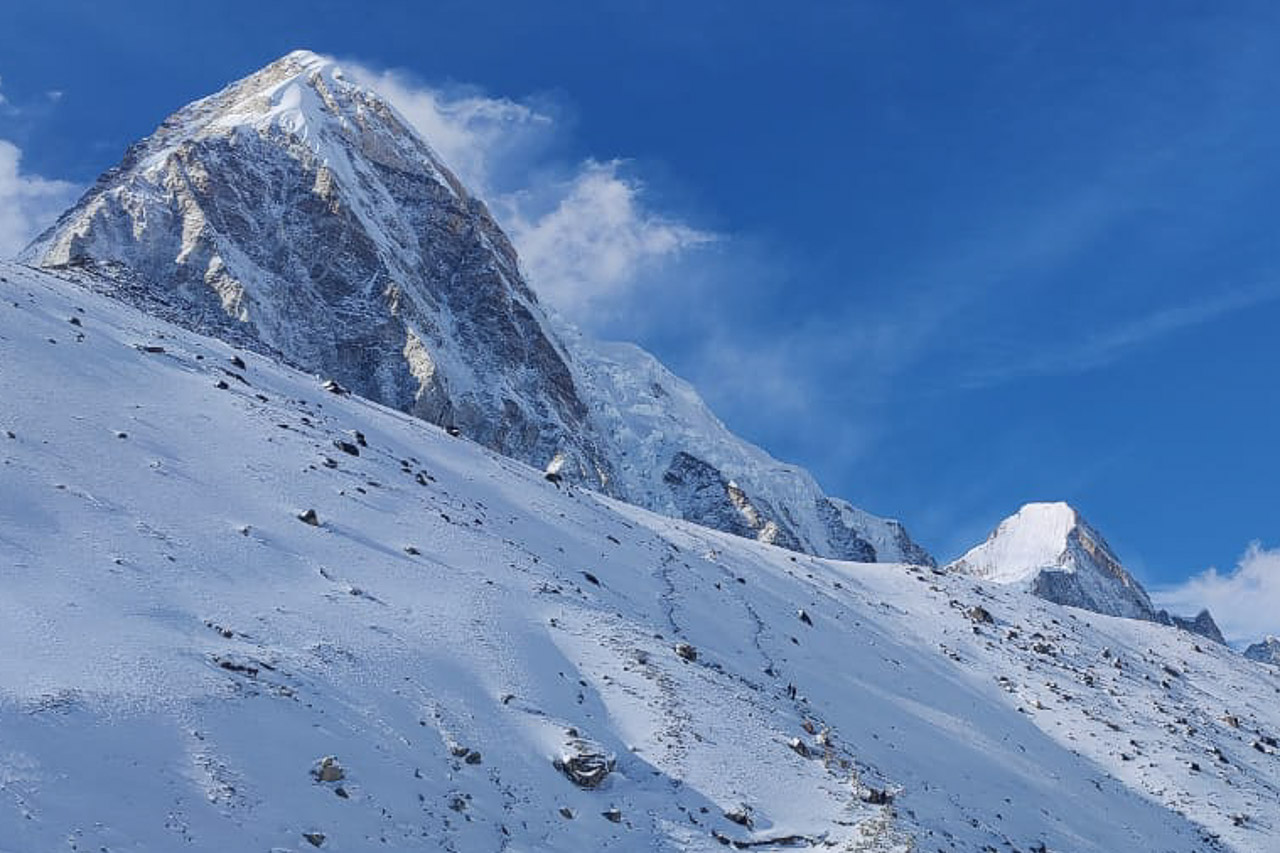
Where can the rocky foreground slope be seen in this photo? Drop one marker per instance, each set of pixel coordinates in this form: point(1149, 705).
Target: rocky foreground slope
point(241, 612)
point(297, 213)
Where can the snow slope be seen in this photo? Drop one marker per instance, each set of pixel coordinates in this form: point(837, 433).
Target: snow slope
point(298, 214)
point(181, 648)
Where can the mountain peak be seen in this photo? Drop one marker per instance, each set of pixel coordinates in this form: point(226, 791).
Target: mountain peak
point(1267, 651)
point(1050, 547)
point(1033, 538)
point(297, 213)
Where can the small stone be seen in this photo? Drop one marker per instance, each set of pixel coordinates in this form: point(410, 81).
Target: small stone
point(309, 517)
point(875, 796)
point(587, 766)
point(333, 387)
point(237, 361)
point(566, 813)
point(804, 617)
point(411, 551)
point(473, 757)
point(315, 839)
point(346, 447)
point(75, 321)
point(221, 385)
point(978, 613)
point(685, 651)
point(612, 815)
point(799, 747)
point(328, 769)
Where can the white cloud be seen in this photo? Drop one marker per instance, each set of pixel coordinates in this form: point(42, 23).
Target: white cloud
point(28, 203)
point(585, 234)
point(1245, 602)
point(594, 245)
point(480, 138)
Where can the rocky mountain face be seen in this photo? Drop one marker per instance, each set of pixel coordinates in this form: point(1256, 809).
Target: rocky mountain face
point(1267, 651)
point(1052, 551)
point(298, 214)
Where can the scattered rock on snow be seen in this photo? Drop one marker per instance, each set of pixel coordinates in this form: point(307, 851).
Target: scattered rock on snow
point(584, 763)
point(315, 839)
point(612, 815)
point(309, 517)
point(978, 613)
point(686, 652)
point(875, 796)
point(332, 386)
point(328, 769)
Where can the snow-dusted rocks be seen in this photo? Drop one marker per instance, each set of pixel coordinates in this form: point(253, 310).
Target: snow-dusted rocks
point(297, 213)
point(1049, 549)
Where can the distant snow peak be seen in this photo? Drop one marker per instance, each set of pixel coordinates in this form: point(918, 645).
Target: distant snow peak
point(1050, 549)
point(297, 213)
point(1267, 651)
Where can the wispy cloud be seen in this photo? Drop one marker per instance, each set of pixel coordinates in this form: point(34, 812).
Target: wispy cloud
point(586, 232)
point(28, 203)
point(594, 245)
point(1107, 346)
point(1245, 602)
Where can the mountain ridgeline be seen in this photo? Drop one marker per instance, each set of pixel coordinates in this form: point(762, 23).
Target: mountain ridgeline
point(298, 214)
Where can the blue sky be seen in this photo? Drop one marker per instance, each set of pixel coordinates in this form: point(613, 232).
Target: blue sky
point(950, 258)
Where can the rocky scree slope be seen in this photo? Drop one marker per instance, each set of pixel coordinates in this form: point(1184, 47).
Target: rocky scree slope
point(242, 612)
point(297, 213)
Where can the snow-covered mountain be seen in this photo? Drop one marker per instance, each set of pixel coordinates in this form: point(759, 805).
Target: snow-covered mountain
point(296, 213)
point(241, 612)
point(1267, 651)
point(1049, 549)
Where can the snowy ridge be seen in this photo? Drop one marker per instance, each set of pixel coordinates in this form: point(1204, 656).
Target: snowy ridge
point(652, 416)
point(1051, 550)
point(185, 642)
point(296, 213)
